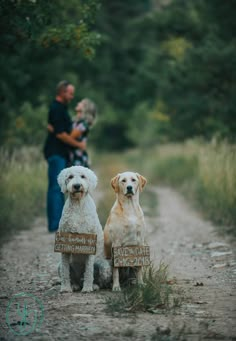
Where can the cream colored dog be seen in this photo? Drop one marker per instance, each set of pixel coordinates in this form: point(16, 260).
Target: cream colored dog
point(125, 225)
point(80, 215)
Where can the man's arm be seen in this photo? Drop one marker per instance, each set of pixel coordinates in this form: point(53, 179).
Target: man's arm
point(66, 138)
point(75, 133)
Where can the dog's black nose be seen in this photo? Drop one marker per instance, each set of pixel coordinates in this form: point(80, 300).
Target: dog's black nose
point(129, 188)
point(76, 187)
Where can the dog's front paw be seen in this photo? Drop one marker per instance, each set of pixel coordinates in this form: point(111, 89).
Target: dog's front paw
point(116, 288)
point(65, 289)
point(96, 287)
point(87, 289)
point(76, 287)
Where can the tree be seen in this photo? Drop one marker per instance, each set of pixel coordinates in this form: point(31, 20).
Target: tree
point(163, 69)
point(33, 34)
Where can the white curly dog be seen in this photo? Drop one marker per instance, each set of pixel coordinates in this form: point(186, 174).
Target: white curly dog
point(79, 215)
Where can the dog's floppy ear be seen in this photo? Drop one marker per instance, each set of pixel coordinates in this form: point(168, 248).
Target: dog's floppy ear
point(114, 183)
point(92, 179)
point(142, 181)
point(61, 179)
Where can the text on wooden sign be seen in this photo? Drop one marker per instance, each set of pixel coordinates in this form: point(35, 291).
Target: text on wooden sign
point(77, 243)
point(129, 256)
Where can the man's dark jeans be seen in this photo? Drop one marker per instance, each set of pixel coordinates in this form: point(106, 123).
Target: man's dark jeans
point(55, 198)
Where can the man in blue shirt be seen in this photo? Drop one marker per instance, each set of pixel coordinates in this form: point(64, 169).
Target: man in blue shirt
point(56, 150)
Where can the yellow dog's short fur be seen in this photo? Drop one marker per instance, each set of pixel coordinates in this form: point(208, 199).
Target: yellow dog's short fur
point(125, 224)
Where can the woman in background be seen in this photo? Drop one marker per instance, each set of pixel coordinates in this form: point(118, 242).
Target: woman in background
point(85, 119)
point(86, 113)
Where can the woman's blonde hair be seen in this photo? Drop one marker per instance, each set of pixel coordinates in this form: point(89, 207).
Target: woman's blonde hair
point(89, 111)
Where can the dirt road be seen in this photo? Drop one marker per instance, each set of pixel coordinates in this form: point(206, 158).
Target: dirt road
point(202, 262)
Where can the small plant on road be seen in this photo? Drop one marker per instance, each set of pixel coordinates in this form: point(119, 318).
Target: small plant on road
point(154, 295)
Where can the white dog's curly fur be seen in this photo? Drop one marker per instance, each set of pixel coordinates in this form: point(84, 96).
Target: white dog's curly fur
point(80, 215)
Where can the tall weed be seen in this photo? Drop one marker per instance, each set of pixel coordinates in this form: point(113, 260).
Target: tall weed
point(23, 184)
point(216, 188)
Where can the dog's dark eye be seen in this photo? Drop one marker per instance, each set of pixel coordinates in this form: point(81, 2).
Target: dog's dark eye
point(83, 176)
point(124, 180)
point(70, 176)
point(133, 180)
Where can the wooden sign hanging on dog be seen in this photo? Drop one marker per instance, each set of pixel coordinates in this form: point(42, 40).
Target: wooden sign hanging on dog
point(129, 256)
point(76, 243)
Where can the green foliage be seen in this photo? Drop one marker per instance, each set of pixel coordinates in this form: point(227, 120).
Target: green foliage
point(38, 39)
point(110, 131)
point(28, 125)
point(162, 71)
point(149, 125)
point(21, 22)
point(176, 55)
point(194, 70)
point(205, 78)
point(39, 22)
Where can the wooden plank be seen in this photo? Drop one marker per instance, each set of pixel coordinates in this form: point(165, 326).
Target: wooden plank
point(130, 256)
point(76, 243)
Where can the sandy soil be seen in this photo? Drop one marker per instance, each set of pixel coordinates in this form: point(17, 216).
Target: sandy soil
point(202, 262)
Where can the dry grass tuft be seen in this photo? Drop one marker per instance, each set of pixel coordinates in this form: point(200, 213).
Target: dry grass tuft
point(156, 294)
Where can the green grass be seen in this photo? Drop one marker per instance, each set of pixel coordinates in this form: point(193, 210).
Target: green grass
point(155, 295)
point(23, 188)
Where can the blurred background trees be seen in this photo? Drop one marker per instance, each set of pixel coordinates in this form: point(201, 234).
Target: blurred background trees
point(158, 70)
point(162, 73)
point(38, 41)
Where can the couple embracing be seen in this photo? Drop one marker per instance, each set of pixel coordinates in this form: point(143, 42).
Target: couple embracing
point(65, 144)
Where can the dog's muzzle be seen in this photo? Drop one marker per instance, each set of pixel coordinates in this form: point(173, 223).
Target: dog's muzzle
point(77, 188)
point(129, 191)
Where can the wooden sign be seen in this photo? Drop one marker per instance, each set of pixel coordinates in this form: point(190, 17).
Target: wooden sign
point(125, 256)
point(78, 243)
